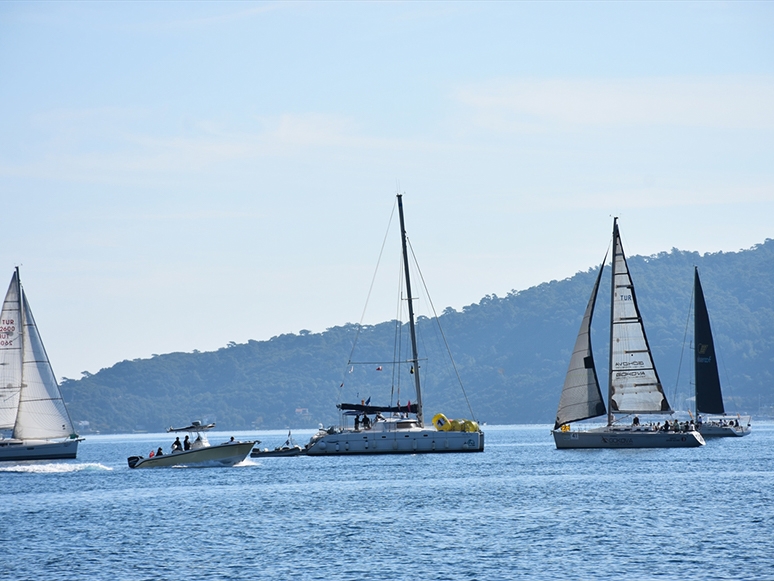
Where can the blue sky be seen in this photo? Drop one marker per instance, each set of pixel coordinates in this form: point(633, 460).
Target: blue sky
point(174, 176)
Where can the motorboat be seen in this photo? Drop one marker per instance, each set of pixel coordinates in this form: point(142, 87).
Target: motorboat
point(200, 454)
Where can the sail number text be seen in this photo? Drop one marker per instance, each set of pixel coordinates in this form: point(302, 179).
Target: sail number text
point(7, 328)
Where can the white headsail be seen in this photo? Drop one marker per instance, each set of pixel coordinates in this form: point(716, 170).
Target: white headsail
point(42, 413)
point(634, 383)
point(10, 355)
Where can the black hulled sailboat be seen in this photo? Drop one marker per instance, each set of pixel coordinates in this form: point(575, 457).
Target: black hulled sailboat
point(711, 417)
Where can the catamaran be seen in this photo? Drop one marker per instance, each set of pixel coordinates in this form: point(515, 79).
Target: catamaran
point(711, 418)
point(31, 405)
point(634, 388)
point(397, 429)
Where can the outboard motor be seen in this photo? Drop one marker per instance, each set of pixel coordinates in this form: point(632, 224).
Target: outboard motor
point(132, 460)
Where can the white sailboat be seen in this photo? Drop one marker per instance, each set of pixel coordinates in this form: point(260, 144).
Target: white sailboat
point(402, 430)
point(711, 418)
point(634, 388)
point(31, 405)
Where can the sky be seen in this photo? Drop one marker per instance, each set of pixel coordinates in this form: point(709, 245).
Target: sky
point(175, 176)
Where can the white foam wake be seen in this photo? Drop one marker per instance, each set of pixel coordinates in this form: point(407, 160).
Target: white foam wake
point(52, 468)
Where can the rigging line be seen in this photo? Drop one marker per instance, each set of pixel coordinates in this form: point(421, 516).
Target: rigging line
point(370, 289)
point(682, 350)
point(443, 335)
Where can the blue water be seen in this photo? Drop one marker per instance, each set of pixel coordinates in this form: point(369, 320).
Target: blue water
point(521, 509)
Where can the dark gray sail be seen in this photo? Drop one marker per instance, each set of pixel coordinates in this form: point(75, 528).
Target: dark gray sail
point(581, 397)
point(709, 398)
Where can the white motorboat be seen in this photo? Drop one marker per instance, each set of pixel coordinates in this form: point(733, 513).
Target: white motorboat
point(634, 388)
point(31, 405)
point(201, 453)
point(711, 418)
point(397, 429)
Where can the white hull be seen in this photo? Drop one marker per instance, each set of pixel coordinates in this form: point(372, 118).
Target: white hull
point(18, 450)
point(625, 438)
point(716, 430)
point(226, 454)
point(409, 441)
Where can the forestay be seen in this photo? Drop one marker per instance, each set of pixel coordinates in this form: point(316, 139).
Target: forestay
point(634, 383)
point(581, 397)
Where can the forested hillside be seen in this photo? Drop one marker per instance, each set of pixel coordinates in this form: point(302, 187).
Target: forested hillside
point(511, 354)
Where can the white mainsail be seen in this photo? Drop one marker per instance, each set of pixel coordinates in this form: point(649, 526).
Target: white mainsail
point(10, 355)
point(634, 383)
point(581, 398)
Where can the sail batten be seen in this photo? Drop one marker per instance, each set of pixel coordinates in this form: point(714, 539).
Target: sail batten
point(709, 397)
point(581, 397)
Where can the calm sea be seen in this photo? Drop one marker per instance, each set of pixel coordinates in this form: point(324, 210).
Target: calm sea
point(519, 510)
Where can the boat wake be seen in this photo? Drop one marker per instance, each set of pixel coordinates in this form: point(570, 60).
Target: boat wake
point(54, 468)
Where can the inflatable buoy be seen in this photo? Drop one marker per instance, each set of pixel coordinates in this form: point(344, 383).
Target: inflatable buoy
point(441, 423)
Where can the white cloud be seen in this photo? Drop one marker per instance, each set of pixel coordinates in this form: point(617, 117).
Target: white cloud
point(540, 104)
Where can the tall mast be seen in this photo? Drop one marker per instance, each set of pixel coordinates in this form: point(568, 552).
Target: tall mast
point(412, 330)
point(610, 416)
point(22, 336)
point(22, 327)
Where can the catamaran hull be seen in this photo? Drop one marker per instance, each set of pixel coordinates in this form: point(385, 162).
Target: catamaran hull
point(19, 450)
point(398, 442)
point(626, 439)
point(221, 455)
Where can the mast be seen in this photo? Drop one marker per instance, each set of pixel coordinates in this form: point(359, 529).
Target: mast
point(412, 330)
point(22, 336)
point(610, 416)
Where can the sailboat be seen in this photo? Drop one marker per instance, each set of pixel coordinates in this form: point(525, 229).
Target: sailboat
point(31, 404)
point(709, 398)
point(634, 387)
point(402, 430)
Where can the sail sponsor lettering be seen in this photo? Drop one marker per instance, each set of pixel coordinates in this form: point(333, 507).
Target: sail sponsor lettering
point(625, 297)
point(704, 360)
point(635, 374)
point(629, 364)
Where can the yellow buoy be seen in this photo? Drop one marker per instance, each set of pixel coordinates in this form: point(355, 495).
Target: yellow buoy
point(441, 423)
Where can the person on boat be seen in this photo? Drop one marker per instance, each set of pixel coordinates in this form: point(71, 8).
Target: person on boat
point(636, 421)
point(186, 443)
point(232, 439)
point(379, 417)
point(176, 445)
point(357, 422)
point(152, 454)
point(159, 452)
point(366, 422)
